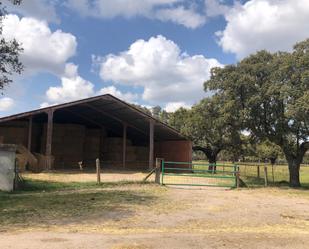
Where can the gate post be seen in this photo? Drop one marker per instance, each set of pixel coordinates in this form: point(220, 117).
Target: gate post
point(158, 170)
point(98, 169)
point(162, 175)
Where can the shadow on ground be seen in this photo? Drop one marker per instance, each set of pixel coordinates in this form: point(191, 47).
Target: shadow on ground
point(47, 203)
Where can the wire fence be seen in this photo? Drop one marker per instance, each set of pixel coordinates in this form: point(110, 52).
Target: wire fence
point(255, 174)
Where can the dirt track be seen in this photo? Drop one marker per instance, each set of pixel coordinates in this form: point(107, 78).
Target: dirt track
point(184, 218)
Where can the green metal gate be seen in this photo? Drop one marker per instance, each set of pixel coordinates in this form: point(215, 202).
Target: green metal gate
point(198, 174)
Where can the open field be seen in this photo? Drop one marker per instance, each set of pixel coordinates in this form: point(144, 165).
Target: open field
point(70, 214)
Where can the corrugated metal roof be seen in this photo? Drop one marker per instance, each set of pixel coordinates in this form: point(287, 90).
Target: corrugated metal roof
point(106, 111)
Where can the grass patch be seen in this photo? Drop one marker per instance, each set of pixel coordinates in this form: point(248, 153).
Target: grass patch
point(30, 185)
point(249, 173)
point(43, 203)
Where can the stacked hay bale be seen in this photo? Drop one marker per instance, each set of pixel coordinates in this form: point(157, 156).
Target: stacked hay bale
point(25, 157)
point(67, 144)
point(42, 163)
point(136, 156)
point(142, 153)
point(92, 144)
point(112, 150)
point(15, 133)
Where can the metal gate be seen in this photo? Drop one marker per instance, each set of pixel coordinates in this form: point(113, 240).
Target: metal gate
point(199, 174)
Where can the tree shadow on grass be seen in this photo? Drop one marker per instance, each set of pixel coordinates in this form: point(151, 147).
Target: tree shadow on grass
point(31, 185)
point(256, 182)
point(43, 205)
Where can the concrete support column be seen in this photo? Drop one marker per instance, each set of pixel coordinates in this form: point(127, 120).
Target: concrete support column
point(49, 138)
point(151, 143)
point(29, 134)
point(124, 145)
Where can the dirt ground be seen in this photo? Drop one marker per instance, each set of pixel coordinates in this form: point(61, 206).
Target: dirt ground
point(179, 218)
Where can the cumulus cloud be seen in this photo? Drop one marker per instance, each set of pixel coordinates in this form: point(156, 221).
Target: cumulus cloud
point(40, 9)
point(74, 87)
point(110, 9)
point(186, 17)
point(164, 10)
point(129, 97)
point(6, 103)
point(44, 50)
point(215, 8)
point(161, 69)
point(174, 106)
point(265, 24)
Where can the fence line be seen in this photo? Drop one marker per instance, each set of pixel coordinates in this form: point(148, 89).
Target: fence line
point(254, 173)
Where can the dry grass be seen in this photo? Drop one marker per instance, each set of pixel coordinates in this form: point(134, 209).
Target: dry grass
point(121, 208)
point(107, 175)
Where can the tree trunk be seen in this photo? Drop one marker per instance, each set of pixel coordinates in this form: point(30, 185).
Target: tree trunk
point(294, 166)
point(273, 160)
point(212, 163)
point(211, 154)
point(294, 161)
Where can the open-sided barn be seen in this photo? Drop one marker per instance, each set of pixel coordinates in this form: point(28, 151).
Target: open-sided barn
point(102, 127)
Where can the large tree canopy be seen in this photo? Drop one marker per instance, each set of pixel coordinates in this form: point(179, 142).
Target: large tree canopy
point(271, 92)
point(9, 53)
point(211, 128)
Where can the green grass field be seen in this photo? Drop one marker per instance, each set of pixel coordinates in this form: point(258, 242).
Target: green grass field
point(251, 174)
point(276, 176)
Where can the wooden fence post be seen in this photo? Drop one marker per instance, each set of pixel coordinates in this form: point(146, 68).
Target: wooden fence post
point(265, 176)
point(158, 170)
point(258, 171)
point(97, 161)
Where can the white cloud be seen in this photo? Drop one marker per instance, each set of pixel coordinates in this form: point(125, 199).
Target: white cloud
point(186, 17)
point(157, 65)
point(44, 50)
point(215, 8)
point(72, 87)
point(6, 103)
point(110, 9)
point(46, 104)
point(265, 24)
point(129, 97)
point(164, 10)
point(40, 9)
point(174, 106)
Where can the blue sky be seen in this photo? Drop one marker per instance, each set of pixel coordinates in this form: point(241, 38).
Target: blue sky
point(150, 52)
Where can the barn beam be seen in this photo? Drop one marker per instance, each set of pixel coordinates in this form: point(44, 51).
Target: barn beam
point(151, 143)
point(29, 133)
point(91, 121)
point(115, 118)
point(49, 138)
point(124, 145)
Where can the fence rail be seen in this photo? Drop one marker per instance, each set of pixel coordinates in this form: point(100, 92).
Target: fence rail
point(199, 174)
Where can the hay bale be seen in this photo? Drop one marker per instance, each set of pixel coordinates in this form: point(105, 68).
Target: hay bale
point(25, 157)
point(42, 162)
point(67, 144)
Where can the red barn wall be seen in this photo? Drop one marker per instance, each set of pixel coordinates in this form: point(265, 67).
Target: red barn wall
point(177, 151)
